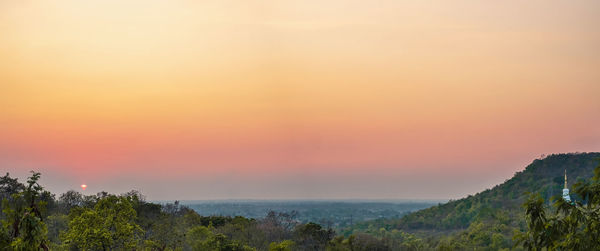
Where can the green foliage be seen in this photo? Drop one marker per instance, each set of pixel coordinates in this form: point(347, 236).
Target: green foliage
point(164, 225)
point(22, 221)
point(109, 225)
point(285, 245)
point(9, 186)
point(312, 236)
point(573, 225)
point(56, 223)
point(202, 238)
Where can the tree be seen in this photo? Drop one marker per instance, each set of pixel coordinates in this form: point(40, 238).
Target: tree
point(278, 226)
point(285, 245)
point(69, 200)
point(312, 236)
point(202, 238)
point(109, 225)
point(9, 186)
point(199, 238)
point(23, 225)
point(573, 226)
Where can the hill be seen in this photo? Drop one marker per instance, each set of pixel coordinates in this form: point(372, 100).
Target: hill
point(494, 212)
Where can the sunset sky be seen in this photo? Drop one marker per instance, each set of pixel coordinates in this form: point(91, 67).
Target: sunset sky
point(294, 99)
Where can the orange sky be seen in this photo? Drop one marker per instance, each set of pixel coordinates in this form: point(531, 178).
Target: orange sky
point(306, 99)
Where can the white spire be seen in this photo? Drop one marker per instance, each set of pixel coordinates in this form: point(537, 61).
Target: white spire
point(566, 196)
point(566, 179)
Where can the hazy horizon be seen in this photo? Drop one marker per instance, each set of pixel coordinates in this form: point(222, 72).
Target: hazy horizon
point(311, 99)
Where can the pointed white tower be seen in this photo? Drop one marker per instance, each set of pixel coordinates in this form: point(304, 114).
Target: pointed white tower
point(566, 196)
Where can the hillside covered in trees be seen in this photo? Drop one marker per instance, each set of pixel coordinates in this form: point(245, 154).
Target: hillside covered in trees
point(490, 218)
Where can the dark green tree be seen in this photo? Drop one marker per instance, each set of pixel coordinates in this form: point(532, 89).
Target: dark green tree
point(312, 236)
point(22, 221)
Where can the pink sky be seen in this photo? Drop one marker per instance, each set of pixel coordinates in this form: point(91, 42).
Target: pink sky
point(344, 99)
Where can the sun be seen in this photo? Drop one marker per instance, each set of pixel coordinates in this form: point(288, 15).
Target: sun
point(83, 186)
